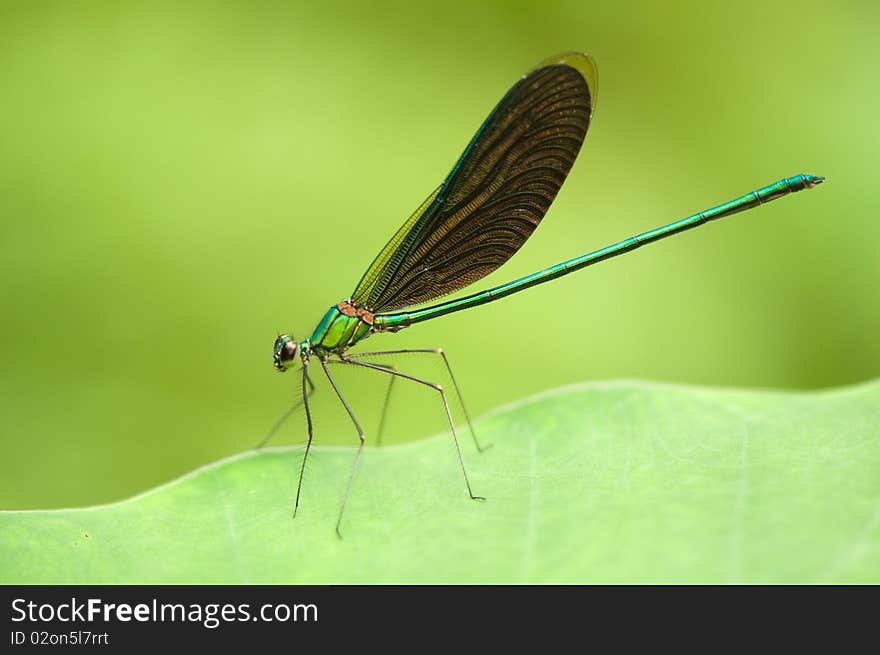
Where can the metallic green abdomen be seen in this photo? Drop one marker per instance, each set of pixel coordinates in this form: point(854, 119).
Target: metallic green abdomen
point(337, 331)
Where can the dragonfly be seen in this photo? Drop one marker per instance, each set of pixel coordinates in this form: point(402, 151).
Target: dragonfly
point(487, 207)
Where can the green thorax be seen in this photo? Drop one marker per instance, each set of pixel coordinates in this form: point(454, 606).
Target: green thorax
point(343, 325)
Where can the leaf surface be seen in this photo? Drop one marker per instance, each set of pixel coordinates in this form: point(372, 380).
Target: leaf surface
point(621, 482)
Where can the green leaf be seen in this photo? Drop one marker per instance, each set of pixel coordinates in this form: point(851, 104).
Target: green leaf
point(625, 482)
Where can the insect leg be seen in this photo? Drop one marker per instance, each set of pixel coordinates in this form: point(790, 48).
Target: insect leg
point(432, 351)
point(436, 387)
point(281, 421)
point(305, 400)
point(360, 445)
point(391, 378)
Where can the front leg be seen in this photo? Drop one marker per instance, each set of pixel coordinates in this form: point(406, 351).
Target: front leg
point(281, 421)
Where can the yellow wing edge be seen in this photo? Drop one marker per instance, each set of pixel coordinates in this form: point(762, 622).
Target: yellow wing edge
point(583, 64)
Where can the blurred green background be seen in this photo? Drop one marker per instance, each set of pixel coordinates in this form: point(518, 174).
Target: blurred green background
point(181, 181)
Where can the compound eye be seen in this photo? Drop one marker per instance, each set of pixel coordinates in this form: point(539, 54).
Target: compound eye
point(288, 352)
point(284, 352)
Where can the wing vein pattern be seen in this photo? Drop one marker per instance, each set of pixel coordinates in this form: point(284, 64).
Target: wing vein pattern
point(494, 197)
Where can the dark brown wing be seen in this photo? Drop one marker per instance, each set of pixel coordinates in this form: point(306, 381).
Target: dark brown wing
point(495, 196)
